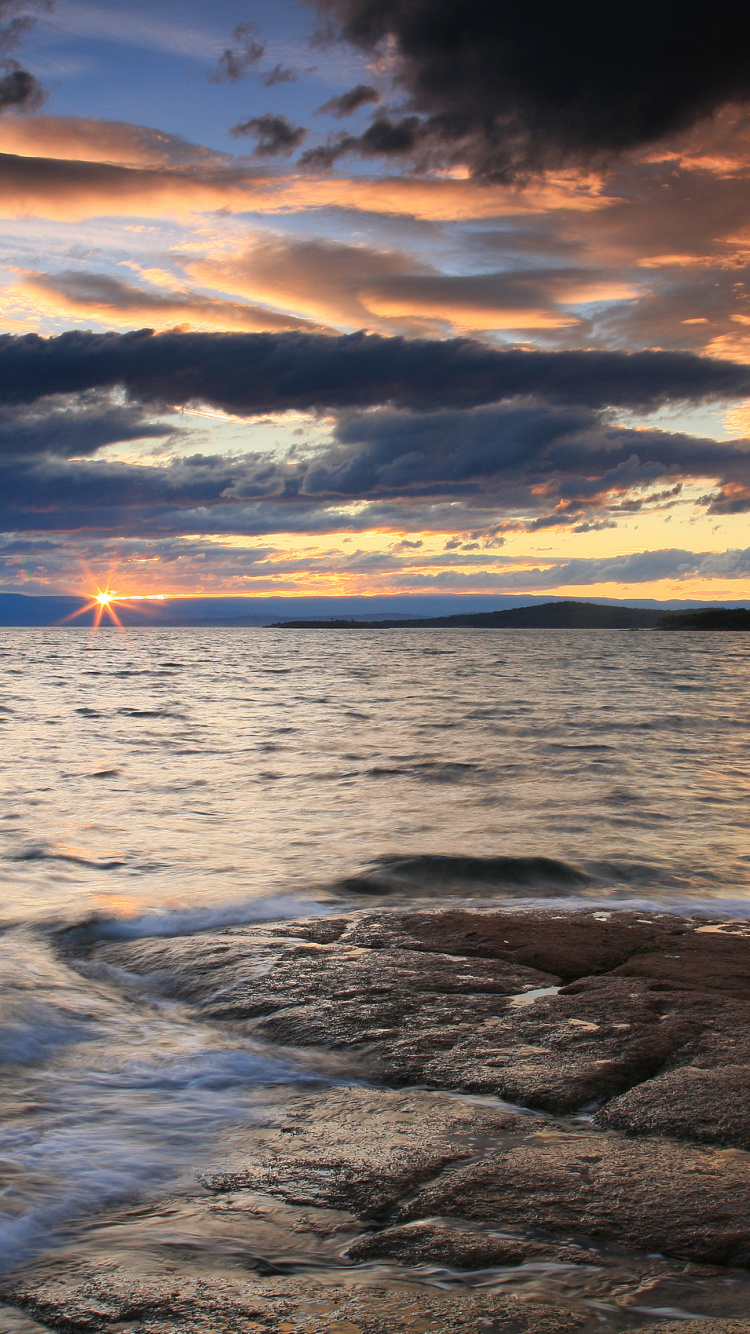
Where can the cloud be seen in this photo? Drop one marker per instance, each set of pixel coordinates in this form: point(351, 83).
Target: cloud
point(642, 567)
point(323, 279)
point(34, 563)
point(508, 88)
point(347, 103)
point(112, 141)
point(61, 426)
point(99, 296)
point(177, 178)
point(558, 463)
point(236, 60)
point(274, 134)
point(68, 190)
point(279, 74)
point(260, 373)
point(19, 89)
point(525, 465)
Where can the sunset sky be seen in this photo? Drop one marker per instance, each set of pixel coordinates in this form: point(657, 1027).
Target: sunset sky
point(448, 297)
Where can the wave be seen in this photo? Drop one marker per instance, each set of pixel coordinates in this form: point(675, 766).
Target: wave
point(441, 871)
point(41, 852)
point(134, 1095)
point(185, 921)
point(429, 771)
point(534, 879)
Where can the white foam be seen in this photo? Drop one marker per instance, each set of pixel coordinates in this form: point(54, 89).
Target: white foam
point(185, 921)
point(133, 1098)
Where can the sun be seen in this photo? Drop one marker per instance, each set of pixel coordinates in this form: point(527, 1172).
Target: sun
point(104, 601)
point(100, 602)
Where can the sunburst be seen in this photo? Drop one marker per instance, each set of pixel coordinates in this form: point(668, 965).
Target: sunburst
point(103, 603)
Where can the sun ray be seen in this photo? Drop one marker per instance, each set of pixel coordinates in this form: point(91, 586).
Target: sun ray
point(103, 603)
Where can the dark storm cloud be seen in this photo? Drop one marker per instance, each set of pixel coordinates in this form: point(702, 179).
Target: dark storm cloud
point(243, 55)
point(275, 135)
point(252, 374)
point(348, 103)
point(509, 87)
point(383, 138)
point(538, 465)
point(88, 489)
point(64, 427)
point(528, 456)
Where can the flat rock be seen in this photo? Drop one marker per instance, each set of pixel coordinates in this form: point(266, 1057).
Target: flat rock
point(650, 1194)
point(562, 1052)
point(568, 944)
point(706, 1106)
point(359, 1149)
point(716, 958)
point(394, 1009)
point(462, 1248)
point(105, 1301)
point(419, 1156)
point(699, 1327)
point(440, 999)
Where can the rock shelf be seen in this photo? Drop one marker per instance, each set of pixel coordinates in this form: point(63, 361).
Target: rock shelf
point(547, 1112)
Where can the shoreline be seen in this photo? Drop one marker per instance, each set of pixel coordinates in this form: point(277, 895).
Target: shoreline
point(546, 1114)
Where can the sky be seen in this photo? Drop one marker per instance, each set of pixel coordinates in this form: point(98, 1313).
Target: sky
point(344, 298)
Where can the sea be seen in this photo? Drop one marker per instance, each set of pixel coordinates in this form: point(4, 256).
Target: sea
point(161, 781)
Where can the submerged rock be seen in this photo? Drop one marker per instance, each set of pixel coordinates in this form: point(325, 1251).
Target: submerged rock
point(360, 1149)
point(106, 1302)
point(462, 1247)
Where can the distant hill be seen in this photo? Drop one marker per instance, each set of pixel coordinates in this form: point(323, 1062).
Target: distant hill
point(554, 616)
point(545, 616)
point(713, 618)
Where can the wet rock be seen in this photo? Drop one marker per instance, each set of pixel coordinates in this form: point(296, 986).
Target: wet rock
point(699, 1327)
point(650, 1195)
point(104, 1304)
point(708, 959)
point(244, 976)
point(693, 1103)
point(392, 993)
point(421, 1157)
point(106, 1301)
point(359, 1149)
point(562, 1052)
point(568, 944)
point(462, 1248)
point(393, 1008)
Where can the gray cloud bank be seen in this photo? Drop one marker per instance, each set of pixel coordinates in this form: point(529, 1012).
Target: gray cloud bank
point(260, 373)
point(527, 464)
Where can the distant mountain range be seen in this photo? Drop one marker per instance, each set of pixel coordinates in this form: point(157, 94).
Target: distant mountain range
point(554, 616)
point(379, 612)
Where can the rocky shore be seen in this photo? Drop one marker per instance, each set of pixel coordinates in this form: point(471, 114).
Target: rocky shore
point(524, 1122)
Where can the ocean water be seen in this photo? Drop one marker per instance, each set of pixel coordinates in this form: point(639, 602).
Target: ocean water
point(160, 781)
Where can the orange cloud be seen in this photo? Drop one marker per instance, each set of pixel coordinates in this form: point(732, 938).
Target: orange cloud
point(85, 139)
point(97, 296)
point(359, 286)
point(186, 179)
